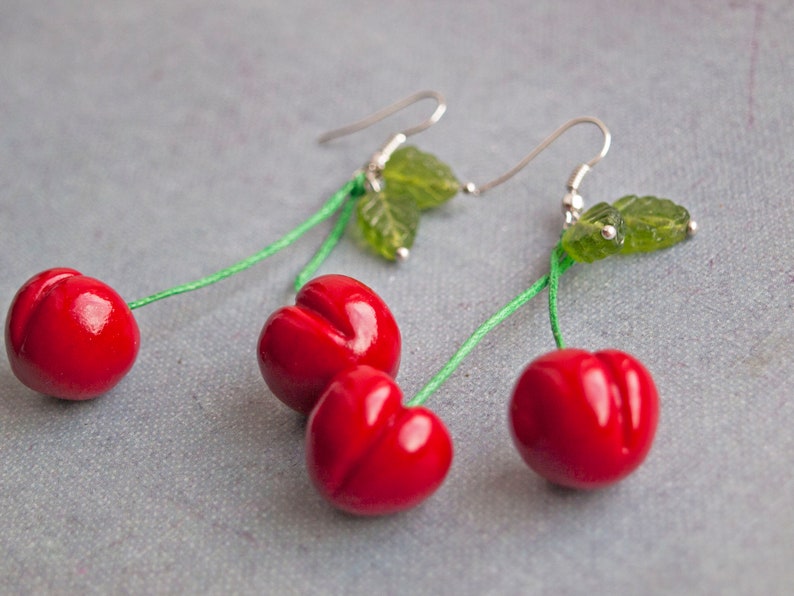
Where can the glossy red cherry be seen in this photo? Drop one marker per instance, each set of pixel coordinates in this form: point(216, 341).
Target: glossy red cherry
point(70, 336)
point(584, 420)
point(337, 322)
point(367, 453)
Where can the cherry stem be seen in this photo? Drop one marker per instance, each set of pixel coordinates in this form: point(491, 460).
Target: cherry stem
point(562, 264)
point(328, 244)
point(557, 261)
point(353, 187)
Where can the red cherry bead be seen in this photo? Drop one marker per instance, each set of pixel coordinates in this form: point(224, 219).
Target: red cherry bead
point(367, 453)
point(70, 336)
point(337, 322)
point(584, 420)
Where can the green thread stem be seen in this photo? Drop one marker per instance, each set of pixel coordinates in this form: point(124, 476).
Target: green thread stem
point(563, 264)
point(328, 244)
point(330, 207)
point(558, 264)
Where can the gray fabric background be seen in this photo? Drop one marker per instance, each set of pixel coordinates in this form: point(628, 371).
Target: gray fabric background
point(150, 143)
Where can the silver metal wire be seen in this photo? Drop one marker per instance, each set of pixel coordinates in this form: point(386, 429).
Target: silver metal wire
point(576, 176)
point(441, 107)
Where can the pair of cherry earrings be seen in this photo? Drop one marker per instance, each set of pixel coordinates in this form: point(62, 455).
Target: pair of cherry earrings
point(579, 419)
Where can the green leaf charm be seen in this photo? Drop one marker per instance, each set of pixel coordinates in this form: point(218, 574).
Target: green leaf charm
point(428, 181)
point(585, 242)
point(651, 223)
point(388, 221)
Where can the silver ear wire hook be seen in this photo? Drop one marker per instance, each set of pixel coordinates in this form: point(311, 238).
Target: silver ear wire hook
point(382, 155)
point(388, 111)
point(572, 203)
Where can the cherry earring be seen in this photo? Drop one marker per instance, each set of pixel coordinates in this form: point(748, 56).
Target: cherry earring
point(578, 419)
point(73, 337)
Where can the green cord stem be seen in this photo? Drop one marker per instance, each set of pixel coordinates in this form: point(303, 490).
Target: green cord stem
point(561, 266)
point(353, 187)
point(328, 245)
point(558, 264)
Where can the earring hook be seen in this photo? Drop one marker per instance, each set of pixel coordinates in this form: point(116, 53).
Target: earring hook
point(474, 189)
point(377, 162)
point(573, 203)
point(441, 107)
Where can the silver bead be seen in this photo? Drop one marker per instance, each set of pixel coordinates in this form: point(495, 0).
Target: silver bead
point(571, 217)
point(692, 228)
point(470, 189)
point(608, 232)
point(572, 201)
point(402, 254)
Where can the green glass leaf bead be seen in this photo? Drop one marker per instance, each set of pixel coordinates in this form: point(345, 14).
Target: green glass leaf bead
point(421, 176)
point(589, 238)
point(387, 222)
point(651, 223)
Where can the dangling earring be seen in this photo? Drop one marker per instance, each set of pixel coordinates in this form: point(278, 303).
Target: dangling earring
point(74, 337)
point(579, 419)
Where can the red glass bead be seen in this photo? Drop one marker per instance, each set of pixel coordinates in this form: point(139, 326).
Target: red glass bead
point(70, 336)
point(367, 453)
point(337, 322)
point(584, 420)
